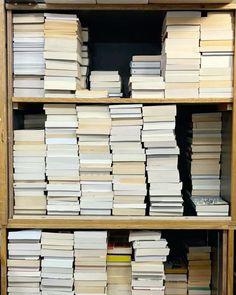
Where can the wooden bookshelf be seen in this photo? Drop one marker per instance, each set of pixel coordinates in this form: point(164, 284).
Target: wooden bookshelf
point(9, 222)
point(123, 100)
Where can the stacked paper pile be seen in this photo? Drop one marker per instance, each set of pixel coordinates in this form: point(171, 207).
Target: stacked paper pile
point(62, 161)
point(62, 54)
point(119, 266)
point(90, 276)
point(29, 172)
point(205, 165)
point(145, 80)
point(85, 59)
point(181, 55)
point(217, 47)
point(150, 252)
point(23, 262)
point(176, 281)
point(109, 81)
point(162, 152)
point(34, 121)
point(28, 61)
point(129, 181)
point(94, 127)
point(199, 270)
point(57, 263)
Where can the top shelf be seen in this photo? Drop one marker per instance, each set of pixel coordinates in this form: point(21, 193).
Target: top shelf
point(122, 100)
point(159, 5)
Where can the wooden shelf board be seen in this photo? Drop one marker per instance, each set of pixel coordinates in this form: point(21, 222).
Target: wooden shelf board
point(117, 222)
point(162, 5)
point(121, 100)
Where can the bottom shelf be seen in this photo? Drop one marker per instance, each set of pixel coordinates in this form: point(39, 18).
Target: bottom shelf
point(116, 222)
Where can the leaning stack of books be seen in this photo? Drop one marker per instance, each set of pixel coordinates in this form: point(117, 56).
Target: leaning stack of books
point(146, 80)
point(29, 152)
point(129, 181)
point(109, 81)
point(205, 165)
point(176, 281)
point(181, 55)
point(94, 127)
point(90, 274)
point(85, 59)
point(62, 161)
point(217, 49)
point(119, 265)
point(199, 270)
point(28, 61)
point(23, 263)
point(62, 54)
point(57, 263)
point(162, 152)
point(150, 253)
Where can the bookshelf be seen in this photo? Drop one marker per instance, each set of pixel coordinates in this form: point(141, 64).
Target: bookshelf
point(225, 225)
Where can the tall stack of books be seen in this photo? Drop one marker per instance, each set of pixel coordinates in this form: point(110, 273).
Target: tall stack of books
point(94, 127)
point(90, 275)
point(57, 263)
point(176, 281)
point(28, 61)
point(181, 55)
point(119, 265)
point(29, 172)
point(109, 81)
point(162, 152)
point(146, 80)
point(62, 54)
point(217, 49)
point(150, 253)
point(205, 165)
point(23, 263)
point(85, 59)
point(129, 181)
point(62, 161)
point(199, 270)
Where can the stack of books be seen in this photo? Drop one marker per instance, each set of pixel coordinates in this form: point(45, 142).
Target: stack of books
point(109, 81)
point(205, 165)
point(94, 127)
point(150, 253)
point(129, 181)
point(23, 263)
point(34, 121)
point(199, 270)
point(90, 274)
point(119, 265)
point(85, 59)
point(176, 281)
point(217, 49)
point(62, 161)
point(28, 61)
point(57, 263)
point(62, 54)
point(162, 152)
point(181, 55)
point(146, 80)
point(29, 152)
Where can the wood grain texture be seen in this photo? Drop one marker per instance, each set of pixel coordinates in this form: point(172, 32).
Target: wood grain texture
point(115, 222)
point(230, 268)
point(122, 100)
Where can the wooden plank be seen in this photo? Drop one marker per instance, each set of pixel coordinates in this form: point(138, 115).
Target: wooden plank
point(3, 261)
point(121, 100)
point(230, 267)
point(233, 152)
point(223, 263)
point(10, 113)
point(3, 119)
point(116, 222)
point(161, 6)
